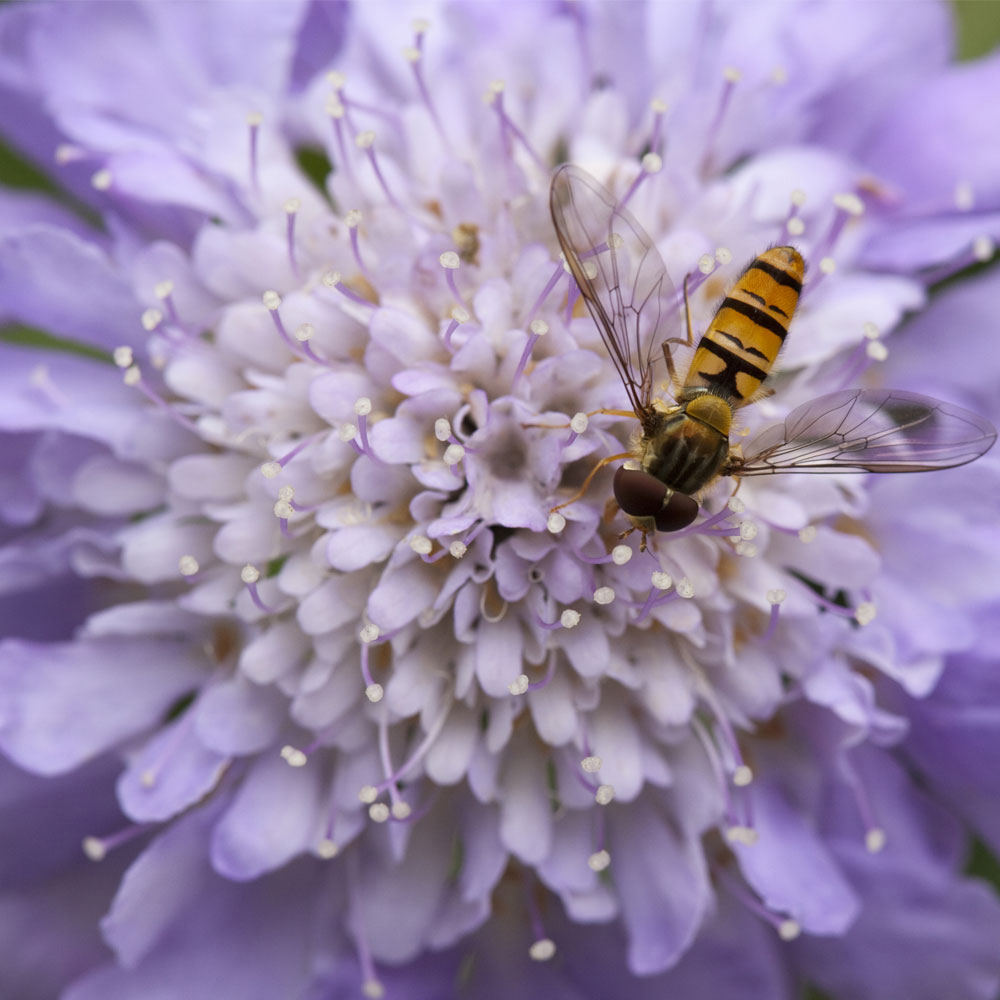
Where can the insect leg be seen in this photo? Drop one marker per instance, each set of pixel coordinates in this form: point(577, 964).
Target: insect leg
point(686, 342)
point(593, 472)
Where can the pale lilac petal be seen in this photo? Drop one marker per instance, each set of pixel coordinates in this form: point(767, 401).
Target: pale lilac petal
point(55, 697)
point(273, 817)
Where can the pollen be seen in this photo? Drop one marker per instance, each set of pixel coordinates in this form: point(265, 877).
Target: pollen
point(569, 618)
point(539, 327)
point(723, 255)
point(249, 574)
point(292, 756)
point(270, 470)
point(685, 588)
point(519, 685)
point(271, 299)
point(327, 848)
point(555, 523)
point(776, 596)
point(123, 357)
point(661, 580)
point(453, 454)
point(542, 950)
point(304, 332)
point(598, 861)
point(865, 613)
point(652, 163)
point(367, 794)
point(789, 930)
point(591, 764)
point(604, 795)
point(369, 633)
point(604, 595)
point(579, 423)
point(736, 505)
point(362, 406)
point(706, 263)
point(374, 693)
point(450, 260)
point(620, 554)
point(151, 319)
point(875, 840)
point(378, 812)
point(457, 549)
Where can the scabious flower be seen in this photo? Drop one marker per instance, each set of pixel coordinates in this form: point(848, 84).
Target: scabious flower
point(295, 645)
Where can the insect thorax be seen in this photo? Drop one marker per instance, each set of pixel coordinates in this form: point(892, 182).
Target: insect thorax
point(687, 447)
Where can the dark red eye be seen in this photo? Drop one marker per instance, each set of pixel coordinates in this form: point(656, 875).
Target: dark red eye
point(638, 493)
point(679, 512)
point(642, 495)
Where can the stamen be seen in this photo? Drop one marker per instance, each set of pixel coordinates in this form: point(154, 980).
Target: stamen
point(303, 334)
point(132, 376)
point(651, 163)
point(794, 225)
point(459, 314)
point(250, 575)
point(451, 262)
point(659, 109)
point(270, 470)
point(414, 56)
point(787, 928)
point(352, 220)
point(980, 251)
point(366, 142)
point(164, 291)
point(292, 206)
point(731, 77)
point(254, 121)
point(539, 328)
point(102, 180)
point(546, 291)
point(332, 279)
point(335, 109)
point(776, 598)
point(494, 98)
point(555, 523)
point(97, 848)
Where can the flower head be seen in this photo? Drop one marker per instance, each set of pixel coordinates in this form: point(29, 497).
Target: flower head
point(355, 682)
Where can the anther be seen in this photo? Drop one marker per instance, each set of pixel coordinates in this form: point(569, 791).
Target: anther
point(808, 533)
point(604, 595)
point(519, 685)
point(685, 588)
point(621, 554)
point(742, 775)
point(123, 357)
point(542, 950)
point(591, 764)
point(865, 613)
point(327, 848)
point(188, 566)
point(293, 756)
point(599, 861)
point(555, 523)
point(378, 812)
point(101, 180)
point(731, 76)
point(569, 618)
point(661, 580)
point(604, 795)
point(453, 454)
point(374, 693)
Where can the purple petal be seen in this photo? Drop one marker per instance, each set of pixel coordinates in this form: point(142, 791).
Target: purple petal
point(64, 703)
point(274, 817)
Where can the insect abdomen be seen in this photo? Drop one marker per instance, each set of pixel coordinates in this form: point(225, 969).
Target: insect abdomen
point(739, 348)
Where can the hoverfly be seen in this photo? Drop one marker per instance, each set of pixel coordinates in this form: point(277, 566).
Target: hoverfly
point(683, 446)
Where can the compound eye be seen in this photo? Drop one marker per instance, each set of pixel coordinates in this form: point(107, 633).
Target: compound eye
point(638, 493)
point(679, 512)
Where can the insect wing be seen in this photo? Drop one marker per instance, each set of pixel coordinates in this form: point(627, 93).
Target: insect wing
point(620, 274)
point(868, 430)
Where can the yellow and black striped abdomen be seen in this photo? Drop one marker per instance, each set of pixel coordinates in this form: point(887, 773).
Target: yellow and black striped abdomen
point(738, 349)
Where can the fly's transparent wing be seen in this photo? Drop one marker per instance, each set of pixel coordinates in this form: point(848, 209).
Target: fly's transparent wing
point(868, 430)
point(620, 274)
